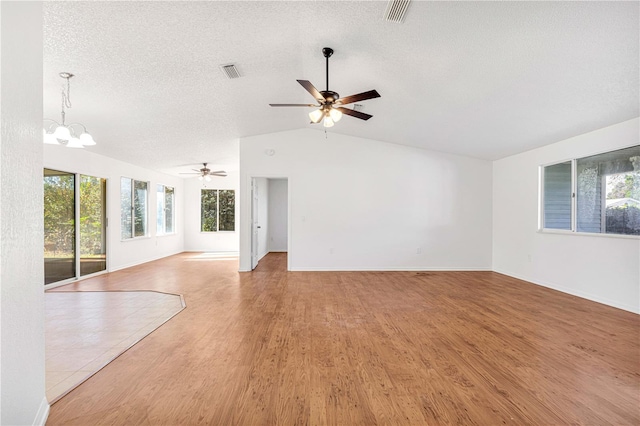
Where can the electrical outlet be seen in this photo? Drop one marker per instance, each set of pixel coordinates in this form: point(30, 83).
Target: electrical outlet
point(419, 250)
point(331, 250)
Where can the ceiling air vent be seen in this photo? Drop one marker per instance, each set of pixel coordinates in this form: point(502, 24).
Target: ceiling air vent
point(396, 9)
point(230, 71)
point(358, 107)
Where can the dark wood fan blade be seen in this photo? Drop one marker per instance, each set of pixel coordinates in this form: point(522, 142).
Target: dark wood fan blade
point(353, 113)
point(311, 89)
point(293, 105)
point(359, 97)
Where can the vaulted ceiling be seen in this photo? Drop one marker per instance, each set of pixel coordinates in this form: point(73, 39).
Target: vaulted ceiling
point(483, 79)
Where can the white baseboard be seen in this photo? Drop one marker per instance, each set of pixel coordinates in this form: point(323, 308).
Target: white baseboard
point(204, 250)
point(578, 293)
point(43, 413)
point(387, 269)
point(140, 262)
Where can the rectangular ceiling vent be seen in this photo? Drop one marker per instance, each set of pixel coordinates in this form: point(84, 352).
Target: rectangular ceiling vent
point(358, 107)
point(230, 71)
point(396, 9)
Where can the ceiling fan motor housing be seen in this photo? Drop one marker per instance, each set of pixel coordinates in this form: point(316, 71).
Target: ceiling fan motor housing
point(330, 96)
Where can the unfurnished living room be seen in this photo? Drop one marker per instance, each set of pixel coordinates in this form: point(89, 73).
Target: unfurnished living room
point(320, 212)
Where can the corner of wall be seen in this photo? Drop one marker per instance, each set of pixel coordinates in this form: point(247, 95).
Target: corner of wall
point(580, 265)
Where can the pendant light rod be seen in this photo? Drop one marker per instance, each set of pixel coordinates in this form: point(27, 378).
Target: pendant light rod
point(66, 95)
point(327, 52)
point(327, 73)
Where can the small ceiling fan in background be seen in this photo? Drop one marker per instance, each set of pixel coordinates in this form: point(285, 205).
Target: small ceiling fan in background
point(205, 173)
point(330, 103)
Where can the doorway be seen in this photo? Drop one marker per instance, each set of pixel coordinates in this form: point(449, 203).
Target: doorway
point(269, 217)
point(74, 226)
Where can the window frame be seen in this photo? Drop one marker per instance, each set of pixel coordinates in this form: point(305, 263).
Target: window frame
point(574, 191)
point(163, 231)
point(132, 201)
point(217, 230)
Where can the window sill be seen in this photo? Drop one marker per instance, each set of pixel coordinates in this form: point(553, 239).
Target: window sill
point(217, 232)
point(587, 234)
point(167, 235)
point(146, 237)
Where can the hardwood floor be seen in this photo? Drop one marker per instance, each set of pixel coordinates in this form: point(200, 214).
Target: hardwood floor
point(84, 330)
point(275, 347)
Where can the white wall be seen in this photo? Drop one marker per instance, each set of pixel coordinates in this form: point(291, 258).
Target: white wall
point(278, 215)
point(22, 357)
point(122, 254)
point(194, 240)
point(359, 204)
point(601, 268)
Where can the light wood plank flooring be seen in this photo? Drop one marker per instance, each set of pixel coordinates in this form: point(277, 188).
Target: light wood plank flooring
point(85, 330)
point(274, 347)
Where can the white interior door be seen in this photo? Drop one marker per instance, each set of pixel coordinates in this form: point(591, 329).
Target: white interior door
point(254, 223)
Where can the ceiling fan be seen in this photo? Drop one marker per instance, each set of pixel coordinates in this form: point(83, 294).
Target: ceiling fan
point(330, 103)
point(205, 173)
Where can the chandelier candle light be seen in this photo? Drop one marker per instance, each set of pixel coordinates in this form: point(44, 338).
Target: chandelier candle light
point(73, 135)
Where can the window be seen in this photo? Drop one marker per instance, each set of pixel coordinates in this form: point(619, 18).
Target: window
point(165, 211)
point(217, 210)
point(133, 208)
point(596, 194)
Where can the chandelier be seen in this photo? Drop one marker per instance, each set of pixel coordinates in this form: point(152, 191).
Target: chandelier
point(73, 135)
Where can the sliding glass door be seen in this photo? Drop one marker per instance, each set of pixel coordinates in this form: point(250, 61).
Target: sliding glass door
point(59, 226)
point(74, 226)
point(93, 247)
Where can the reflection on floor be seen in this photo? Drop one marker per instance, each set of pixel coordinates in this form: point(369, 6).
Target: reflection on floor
point(86, 330)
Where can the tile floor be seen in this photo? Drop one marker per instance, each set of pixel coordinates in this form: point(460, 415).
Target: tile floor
point(86, 330)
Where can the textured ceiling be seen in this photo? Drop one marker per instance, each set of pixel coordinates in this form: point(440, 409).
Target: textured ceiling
point(483, 79)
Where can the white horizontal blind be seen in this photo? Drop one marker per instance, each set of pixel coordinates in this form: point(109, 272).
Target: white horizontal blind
point(557, 196)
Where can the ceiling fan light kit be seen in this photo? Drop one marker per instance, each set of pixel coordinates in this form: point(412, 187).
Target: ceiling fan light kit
point(330, 104)
point(73, 135)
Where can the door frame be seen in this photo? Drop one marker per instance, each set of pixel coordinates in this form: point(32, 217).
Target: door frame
point(246, 249)
point(255, 206)
point(76, 207)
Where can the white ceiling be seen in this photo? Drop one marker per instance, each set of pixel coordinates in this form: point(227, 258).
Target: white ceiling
point(483, 79)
